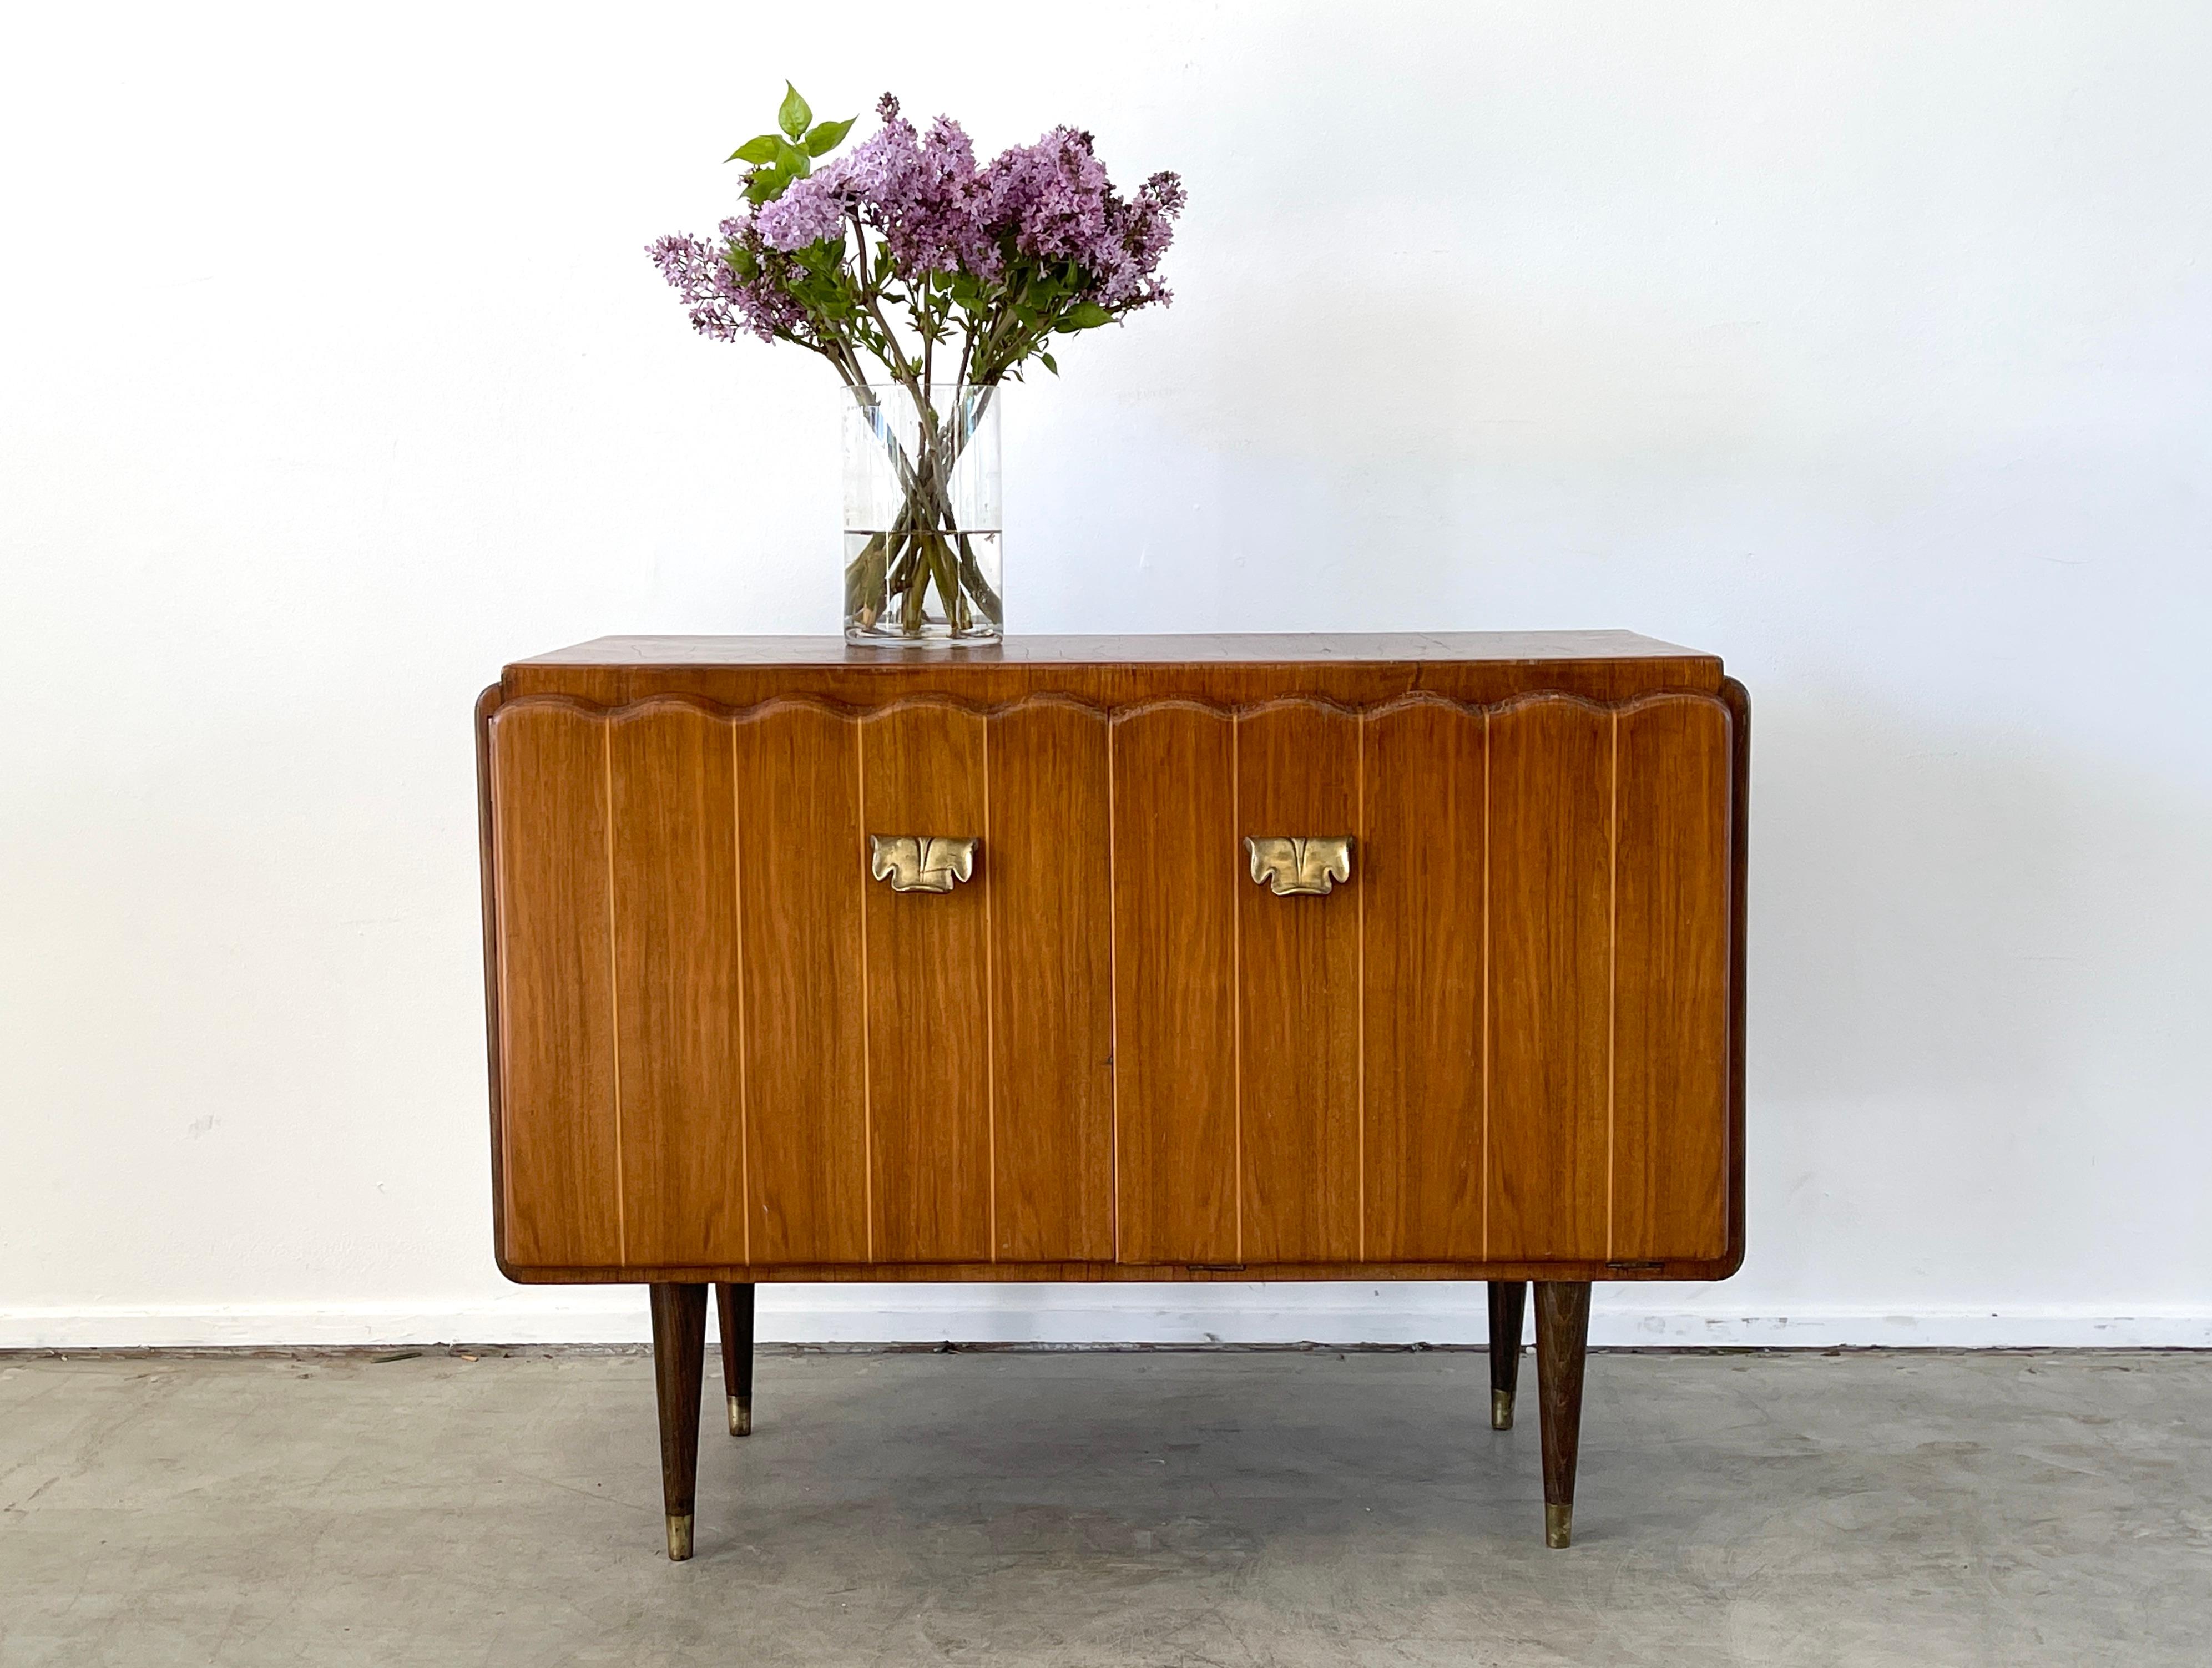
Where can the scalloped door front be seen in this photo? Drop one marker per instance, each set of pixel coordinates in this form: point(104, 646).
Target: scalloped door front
point(802, 874)
point(929, 969)
point(1297, 983)
point(1425, 767)
point(672, 856)
point(1046, 847)
point(1673, 934)
point(1505, 1038)
point(560, 1160)
point(1607, 928)
point(1549, 910)
point(1177, 863)
point(989, 1032)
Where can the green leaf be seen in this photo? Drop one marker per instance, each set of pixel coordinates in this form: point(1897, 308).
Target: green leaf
point(792, 160)
point(1088, 316)
point(756, 151)
point(825, 136)
point(767, 185)
point(1049, 364)
point(794, 115)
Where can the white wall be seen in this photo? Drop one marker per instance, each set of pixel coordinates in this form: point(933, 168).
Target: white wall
point(1867, 344)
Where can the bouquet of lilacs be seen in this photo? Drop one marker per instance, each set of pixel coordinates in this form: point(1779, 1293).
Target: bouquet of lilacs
point(905, 261)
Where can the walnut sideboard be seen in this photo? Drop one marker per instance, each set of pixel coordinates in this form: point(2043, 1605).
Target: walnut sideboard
point(1147, 958)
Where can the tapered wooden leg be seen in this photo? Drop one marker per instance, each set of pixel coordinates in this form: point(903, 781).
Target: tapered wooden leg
point(735, 1307)
point(679, 1363)
point(1509, 1303)
point(1562, 1346)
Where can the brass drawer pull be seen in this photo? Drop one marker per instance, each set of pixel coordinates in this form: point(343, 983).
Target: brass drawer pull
point(921, 863)
point(1309, 865)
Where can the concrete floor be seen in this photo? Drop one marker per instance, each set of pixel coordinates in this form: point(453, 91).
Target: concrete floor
point(1097, 1508)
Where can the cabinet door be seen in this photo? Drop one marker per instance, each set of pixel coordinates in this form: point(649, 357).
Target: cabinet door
point(621, 1094)
point(1609, 934)
point(725, 1044)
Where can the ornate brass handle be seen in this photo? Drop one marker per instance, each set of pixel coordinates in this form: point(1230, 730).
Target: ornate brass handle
point(1308, 865)
point(921, 863)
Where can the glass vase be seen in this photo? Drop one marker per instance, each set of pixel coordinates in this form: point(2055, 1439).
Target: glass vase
point(922, 522)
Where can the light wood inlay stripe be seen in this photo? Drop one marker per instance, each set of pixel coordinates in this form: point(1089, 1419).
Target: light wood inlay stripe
point(1612, 963)
point(867, 1006)
point(990, 1020)
point(1237, 986)
point(1483, 990)
point(738, 823)
point(1359, 980)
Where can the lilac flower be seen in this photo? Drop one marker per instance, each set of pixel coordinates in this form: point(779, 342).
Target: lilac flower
point(920, 194)
point(1038, 243)
point(809, 211)
point(1050, 197)
point(722, 304)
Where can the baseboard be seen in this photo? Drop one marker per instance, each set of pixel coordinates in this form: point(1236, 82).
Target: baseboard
point(1222, 1313)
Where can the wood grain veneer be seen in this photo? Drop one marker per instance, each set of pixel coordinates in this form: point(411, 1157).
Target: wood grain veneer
point(1550, 921)
point(1297, 985)
point(1174, 874)
point(671, 856)
point(1425, 767)
point(928, 993)
point(1052, 969)
point(1509, 1047)
point(802, 987)
point(552, 915)
point(1113, 672)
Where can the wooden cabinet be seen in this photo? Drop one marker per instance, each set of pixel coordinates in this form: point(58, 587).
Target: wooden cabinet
point(1507, 1046)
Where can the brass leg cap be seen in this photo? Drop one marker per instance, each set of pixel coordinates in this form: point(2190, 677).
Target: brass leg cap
point(1501, 1409)
point(679, 1536)
point(741, 1416)
point(1559, 1525)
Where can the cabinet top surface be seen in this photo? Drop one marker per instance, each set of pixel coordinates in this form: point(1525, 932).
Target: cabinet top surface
point(1274, 649)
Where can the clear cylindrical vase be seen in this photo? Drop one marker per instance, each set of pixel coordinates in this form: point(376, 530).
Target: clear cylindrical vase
point(922, 524)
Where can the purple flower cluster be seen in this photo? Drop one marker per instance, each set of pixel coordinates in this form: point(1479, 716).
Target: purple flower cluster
point(936, 211)
point(1053, 202)
point(920, 194)
point(722, 301)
